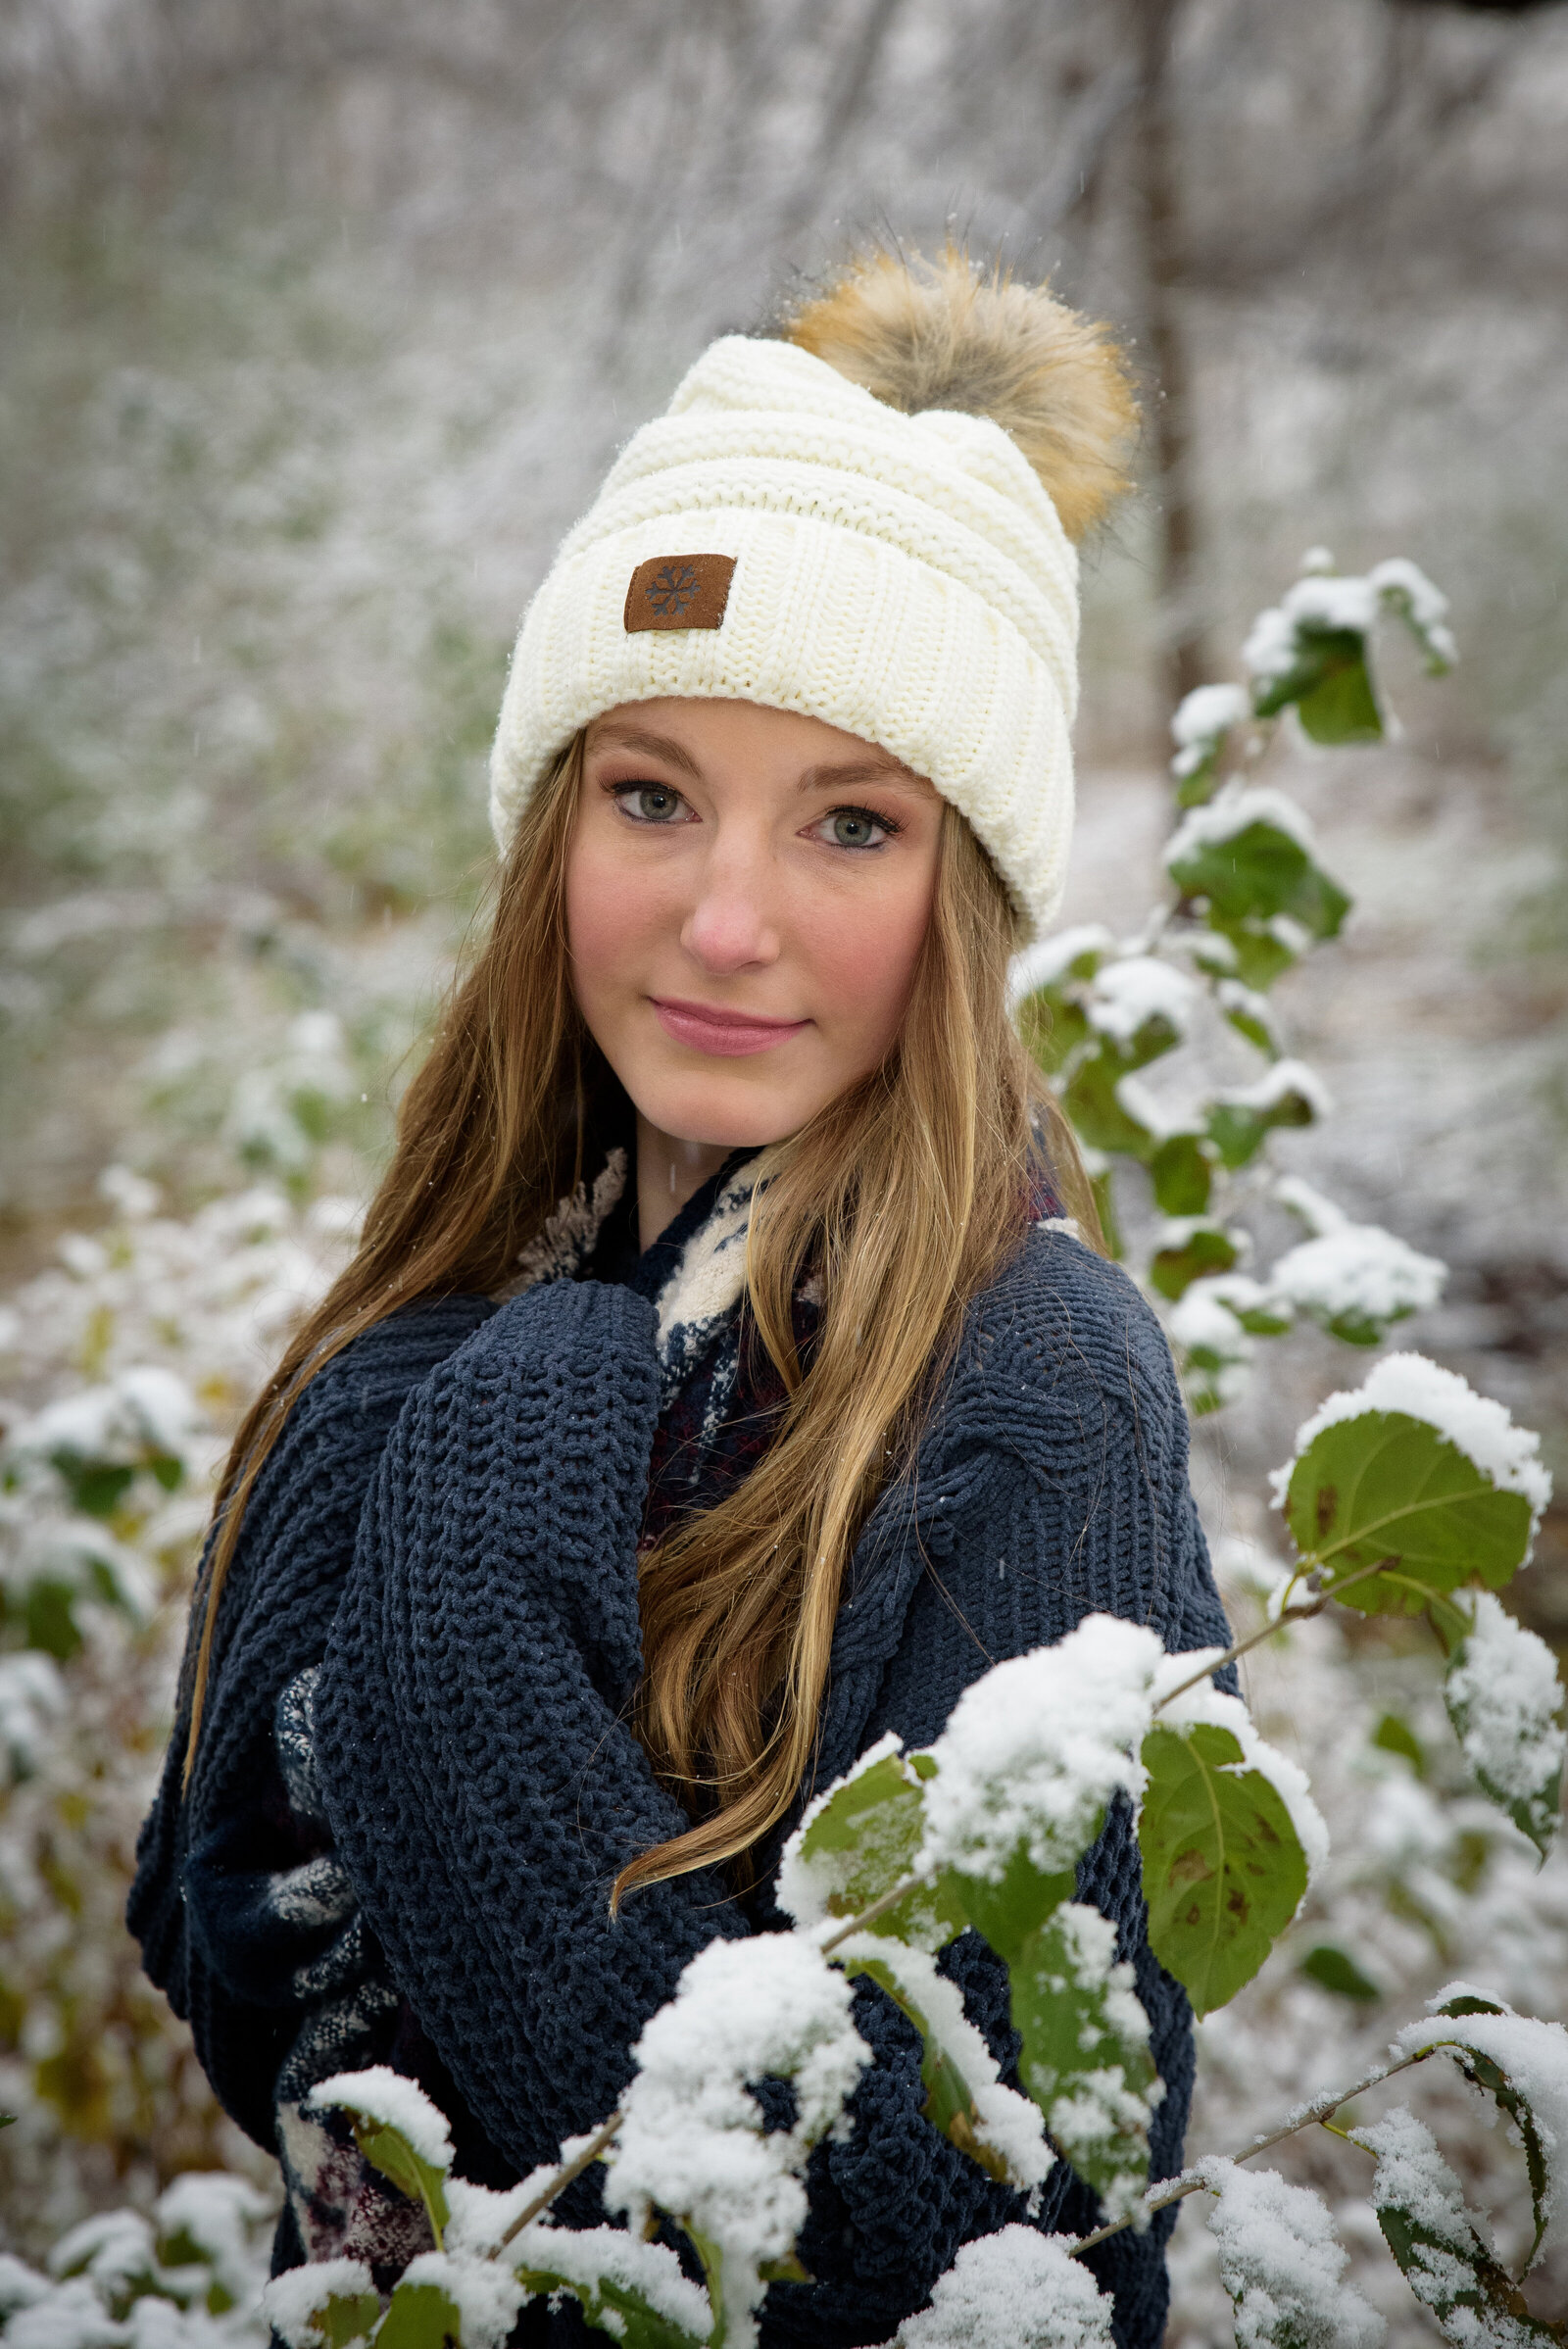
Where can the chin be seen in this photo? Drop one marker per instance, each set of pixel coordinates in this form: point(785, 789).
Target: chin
point(731, 1116)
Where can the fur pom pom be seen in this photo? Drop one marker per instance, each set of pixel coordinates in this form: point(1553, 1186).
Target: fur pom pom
point(948, 333)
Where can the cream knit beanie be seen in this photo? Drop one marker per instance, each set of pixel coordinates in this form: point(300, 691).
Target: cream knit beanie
point(783, 537)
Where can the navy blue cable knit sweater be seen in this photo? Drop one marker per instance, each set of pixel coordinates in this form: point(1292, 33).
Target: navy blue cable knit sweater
point(405, 1854)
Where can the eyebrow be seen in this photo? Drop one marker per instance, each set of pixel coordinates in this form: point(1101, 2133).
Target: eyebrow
point(656, 745)
point(842, 776)
point(837, 776)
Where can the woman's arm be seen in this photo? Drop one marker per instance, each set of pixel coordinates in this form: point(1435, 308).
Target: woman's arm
point(483, 1785)
point(208, 1853)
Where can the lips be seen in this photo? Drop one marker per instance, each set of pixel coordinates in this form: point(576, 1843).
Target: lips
point(727, 1035)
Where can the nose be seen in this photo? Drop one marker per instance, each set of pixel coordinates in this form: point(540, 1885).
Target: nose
point(731, 926)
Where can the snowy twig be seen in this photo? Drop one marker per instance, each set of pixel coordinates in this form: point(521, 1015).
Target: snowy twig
point(581, 2160)
point(1306, 2116)
point(1300, 1612)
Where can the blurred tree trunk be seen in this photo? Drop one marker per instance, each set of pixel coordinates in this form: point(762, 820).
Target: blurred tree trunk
point(1155, 208)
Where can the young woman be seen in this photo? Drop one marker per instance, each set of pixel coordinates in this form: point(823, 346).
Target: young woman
point(728, 1374)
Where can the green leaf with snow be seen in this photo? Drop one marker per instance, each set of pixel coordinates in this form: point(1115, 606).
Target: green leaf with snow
point(1224, 1869)
point(1354, 1279)
point(419, 2315)
point(1522, 2064)
point(949, 2104)
point(1250, 860)
point(1201, 728)
point(1009, 1910)
point(1506, 1701)
point(1192, 1249)
point(614, 2308)
point(1251, 1014)
point(1330, 687)
point(964, 2098)
point(1240, 1121)
point(859, 1839)
point(1435, 2243)
point(1405, 590)
point(388, 2151)
point(1093, 1100)
point(399, 2131)
point(1416, 1474)
point(1085, 2057)
point(345, 2316)
point(323, 2305)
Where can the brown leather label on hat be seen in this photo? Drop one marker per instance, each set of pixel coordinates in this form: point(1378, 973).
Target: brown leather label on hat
point(679, 591)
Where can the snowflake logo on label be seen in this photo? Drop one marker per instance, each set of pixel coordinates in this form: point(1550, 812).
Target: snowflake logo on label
point(672, 587)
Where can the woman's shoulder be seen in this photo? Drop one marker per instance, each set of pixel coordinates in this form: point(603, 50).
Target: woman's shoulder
point(370, 1376)
point(1062, 1333)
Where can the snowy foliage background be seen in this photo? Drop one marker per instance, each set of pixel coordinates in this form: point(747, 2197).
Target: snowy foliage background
point(321, 323)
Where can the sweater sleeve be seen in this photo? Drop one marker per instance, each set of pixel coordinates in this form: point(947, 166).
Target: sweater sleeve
point(210, 1854)
point(481, 1784)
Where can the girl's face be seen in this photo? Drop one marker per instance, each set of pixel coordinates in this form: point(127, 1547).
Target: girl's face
point(746, 894)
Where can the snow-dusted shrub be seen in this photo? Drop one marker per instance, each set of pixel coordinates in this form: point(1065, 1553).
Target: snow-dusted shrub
point(122, 1368)
point(188, 2277)
point(1249, 900)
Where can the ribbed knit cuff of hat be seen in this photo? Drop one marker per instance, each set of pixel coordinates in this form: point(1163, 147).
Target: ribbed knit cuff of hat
point(782, 537)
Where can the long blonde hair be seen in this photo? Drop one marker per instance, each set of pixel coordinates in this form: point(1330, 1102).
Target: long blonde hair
point(905, 1196)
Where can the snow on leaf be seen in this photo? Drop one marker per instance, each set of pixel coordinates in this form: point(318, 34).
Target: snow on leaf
point(1202, 721)
point(693, 2142)
point(1523, 2064)
point(1358, 1278)
point(209, 2217)
point(1289, 1094)
point(1283, 2263)
point(1417, 1471)
point(1014, 2289)
point(651, 2303)
point(474, 2302)
point(1033, 1752)
point(1085, 2057)
point(73, 2316)
point(397, 2128)
point(1075, 953)
point(1248, 859)
point(1506, 1701)
point(323, 2305)
point(1477, 1425)
point(1126, 997)
point(1402, 587)
point(1435, 2243)
point(965, 2098)
point(1192, 1247)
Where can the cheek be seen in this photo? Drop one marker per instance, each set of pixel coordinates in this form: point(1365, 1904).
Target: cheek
point(865, 965)
point(612, 916)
